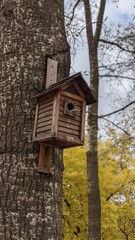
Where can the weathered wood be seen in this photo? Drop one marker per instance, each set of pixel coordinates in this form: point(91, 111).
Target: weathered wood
point(44, 129)
point(68, 131)
point(69, 126)
point(45, 104)
point(79, 90)
point(45, 158)
point(43, 124)
point(51, 75)
point(45, 115)
point(49, 108)
point(70, 139)
point(78, 103)
point(42, 119)
point(55, 114)
point(35, 123)
point(77, 118)
point(64, 119)
point(71, 96)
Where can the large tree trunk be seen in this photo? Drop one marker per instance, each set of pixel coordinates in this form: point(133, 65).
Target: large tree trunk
point(30, 202)
point(94, 208)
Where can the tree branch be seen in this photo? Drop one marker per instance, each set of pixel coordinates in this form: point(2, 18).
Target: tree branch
point(116, 126)
point(119, 110)
point(88, 20)
point(117, 45)
point(73, 12)
point(99, 21)
point(117, 76)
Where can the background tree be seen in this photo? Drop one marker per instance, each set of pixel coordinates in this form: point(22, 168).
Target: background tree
point(30, 205)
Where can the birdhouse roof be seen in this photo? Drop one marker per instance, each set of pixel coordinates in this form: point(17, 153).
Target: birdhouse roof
point(78, 78)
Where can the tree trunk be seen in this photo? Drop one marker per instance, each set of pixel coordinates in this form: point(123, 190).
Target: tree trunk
point(94, 208)
point(30, 31)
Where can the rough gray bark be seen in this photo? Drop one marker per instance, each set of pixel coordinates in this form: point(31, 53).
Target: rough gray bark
point(30, 203)
point(94, 208)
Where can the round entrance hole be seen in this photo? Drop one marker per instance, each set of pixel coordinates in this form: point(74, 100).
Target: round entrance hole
point(70, 106)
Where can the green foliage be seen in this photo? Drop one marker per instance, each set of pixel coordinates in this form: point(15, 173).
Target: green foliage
point(117, 190)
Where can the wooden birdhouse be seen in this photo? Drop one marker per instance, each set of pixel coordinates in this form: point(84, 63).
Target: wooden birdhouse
point(60, 113)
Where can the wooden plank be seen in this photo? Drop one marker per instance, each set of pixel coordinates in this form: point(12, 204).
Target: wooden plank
point(68, 131)
point(45, 115)
point(72, 96)
point(51, 74)
point(35, 123)
point(47, 109)
point(43, 136)
point(77, 111)
point(70, 126)
point(68, 138)
point(45, 158)
point(77, 118)
point(45, 105)
point(79, 90)
point(55, 114)
point(83, 121)
point(43, 124)
point(44, 129)
point(64, 119)
point(41, 120)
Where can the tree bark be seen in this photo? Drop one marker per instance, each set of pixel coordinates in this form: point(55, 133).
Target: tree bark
point(94, 208)
point(30, 31)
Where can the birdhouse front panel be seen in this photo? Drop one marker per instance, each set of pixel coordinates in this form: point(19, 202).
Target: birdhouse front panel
point(71, 120)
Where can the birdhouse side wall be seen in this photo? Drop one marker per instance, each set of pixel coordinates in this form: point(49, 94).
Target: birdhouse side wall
point(44, 118)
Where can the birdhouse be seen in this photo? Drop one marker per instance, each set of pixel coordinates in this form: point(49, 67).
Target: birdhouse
point(60, 113)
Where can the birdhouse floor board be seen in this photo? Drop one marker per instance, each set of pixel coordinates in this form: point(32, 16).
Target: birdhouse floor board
point(43, 129)
point(69, 138)
point(41, 120)
point(69, 121)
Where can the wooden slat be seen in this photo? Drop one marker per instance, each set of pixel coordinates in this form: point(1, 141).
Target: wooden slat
point(43, 124)
point(47, 109)
point(77, 118)
point(55, 114)
point(77, 112)
point(45, 119)
point(45, 105)
point(45, 115)
point(44, 129)
point(69, 126)
point(71, 96)
point(35, 123)
point(68, 131)
point(69, 120)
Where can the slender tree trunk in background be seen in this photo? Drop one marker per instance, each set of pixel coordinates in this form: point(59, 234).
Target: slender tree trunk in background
point(30, 203)
point(94, 208)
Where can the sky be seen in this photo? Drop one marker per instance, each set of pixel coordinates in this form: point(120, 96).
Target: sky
point(117, 12)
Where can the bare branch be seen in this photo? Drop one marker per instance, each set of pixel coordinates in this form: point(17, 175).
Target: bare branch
point(117, 45)
point(119, 110)
point(116, 125)
point(117, 76)
point(73, 12)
